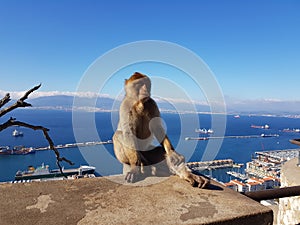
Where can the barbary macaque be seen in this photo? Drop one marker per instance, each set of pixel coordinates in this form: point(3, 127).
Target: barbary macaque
point(139, 123)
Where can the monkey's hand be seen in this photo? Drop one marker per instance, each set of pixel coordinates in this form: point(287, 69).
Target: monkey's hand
point(177, 165)
point(175, 160)
point(198, 181)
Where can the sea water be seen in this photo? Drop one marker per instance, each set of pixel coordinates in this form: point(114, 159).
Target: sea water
point(62, 128)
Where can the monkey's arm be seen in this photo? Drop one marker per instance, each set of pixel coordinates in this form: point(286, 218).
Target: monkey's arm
point(157, 128)
point(175, 161)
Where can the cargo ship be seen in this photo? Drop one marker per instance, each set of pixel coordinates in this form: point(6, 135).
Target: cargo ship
point(17, 150)
point(44, 173)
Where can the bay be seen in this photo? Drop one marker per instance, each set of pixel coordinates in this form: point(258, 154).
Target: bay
point(178, 126)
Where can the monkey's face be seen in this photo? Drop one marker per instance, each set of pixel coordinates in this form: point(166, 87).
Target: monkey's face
point(138, 86)
point(143, 92)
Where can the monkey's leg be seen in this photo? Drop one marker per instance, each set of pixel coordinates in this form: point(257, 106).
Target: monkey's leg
point(154, 161)
point(127, 156)
point(118, 148)
point(136, 166)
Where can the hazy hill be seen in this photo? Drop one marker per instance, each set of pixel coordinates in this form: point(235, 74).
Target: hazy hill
point(105, 104)
point(102, 103)
point(66, 102)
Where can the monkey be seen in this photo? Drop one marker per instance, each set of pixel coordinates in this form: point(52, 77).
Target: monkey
point(139, 124)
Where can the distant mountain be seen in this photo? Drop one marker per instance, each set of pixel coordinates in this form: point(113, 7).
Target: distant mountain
point(182, 106)
point(52, 101)
point(65, 102)
point(265, 107)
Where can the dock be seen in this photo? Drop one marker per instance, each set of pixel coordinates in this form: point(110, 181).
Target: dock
point(74, 145)
point(231, 136)
point(214, 164)
point(281, 155)
point(237, 175)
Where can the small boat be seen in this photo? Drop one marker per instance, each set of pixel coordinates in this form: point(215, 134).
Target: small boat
point(237, 116)
point(204, 131)
point(261, 127)
point(17, 133)
point(269, 135)
point(43, 172)
point(288, 130)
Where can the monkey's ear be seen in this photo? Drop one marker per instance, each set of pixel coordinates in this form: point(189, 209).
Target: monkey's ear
point(125, 82)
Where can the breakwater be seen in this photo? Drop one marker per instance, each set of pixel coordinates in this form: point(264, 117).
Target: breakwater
point(74, 145)
point(205, 138)
point(214, 164)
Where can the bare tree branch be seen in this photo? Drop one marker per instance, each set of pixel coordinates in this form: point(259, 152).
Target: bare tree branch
point(13, 122)
point(29, 92)
point(19, 103)
point(4, 100)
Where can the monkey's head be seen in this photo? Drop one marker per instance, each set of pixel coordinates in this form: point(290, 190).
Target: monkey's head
point(138, 86)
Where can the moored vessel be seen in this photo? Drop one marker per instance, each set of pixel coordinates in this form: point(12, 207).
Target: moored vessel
point(17, 133)
point(294, 130)
point(17, 150)
point(204, 131)
point(44, 173)
point(266, 126)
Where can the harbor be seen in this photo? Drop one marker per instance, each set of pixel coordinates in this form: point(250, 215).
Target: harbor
point(261, 173)
point(216, 169)
point(268, 163)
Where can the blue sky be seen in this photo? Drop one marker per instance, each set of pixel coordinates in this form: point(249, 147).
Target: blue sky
point(252, 47)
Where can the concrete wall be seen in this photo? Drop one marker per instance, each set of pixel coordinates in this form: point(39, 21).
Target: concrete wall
point(289, 208)
point(108, 200)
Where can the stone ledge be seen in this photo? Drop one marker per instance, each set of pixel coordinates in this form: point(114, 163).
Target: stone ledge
point(289, 207)
point(107, 201)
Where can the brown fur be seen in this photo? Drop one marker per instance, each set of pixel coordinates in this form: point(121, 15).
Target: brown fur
point(135, 76)
point(139, 123)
